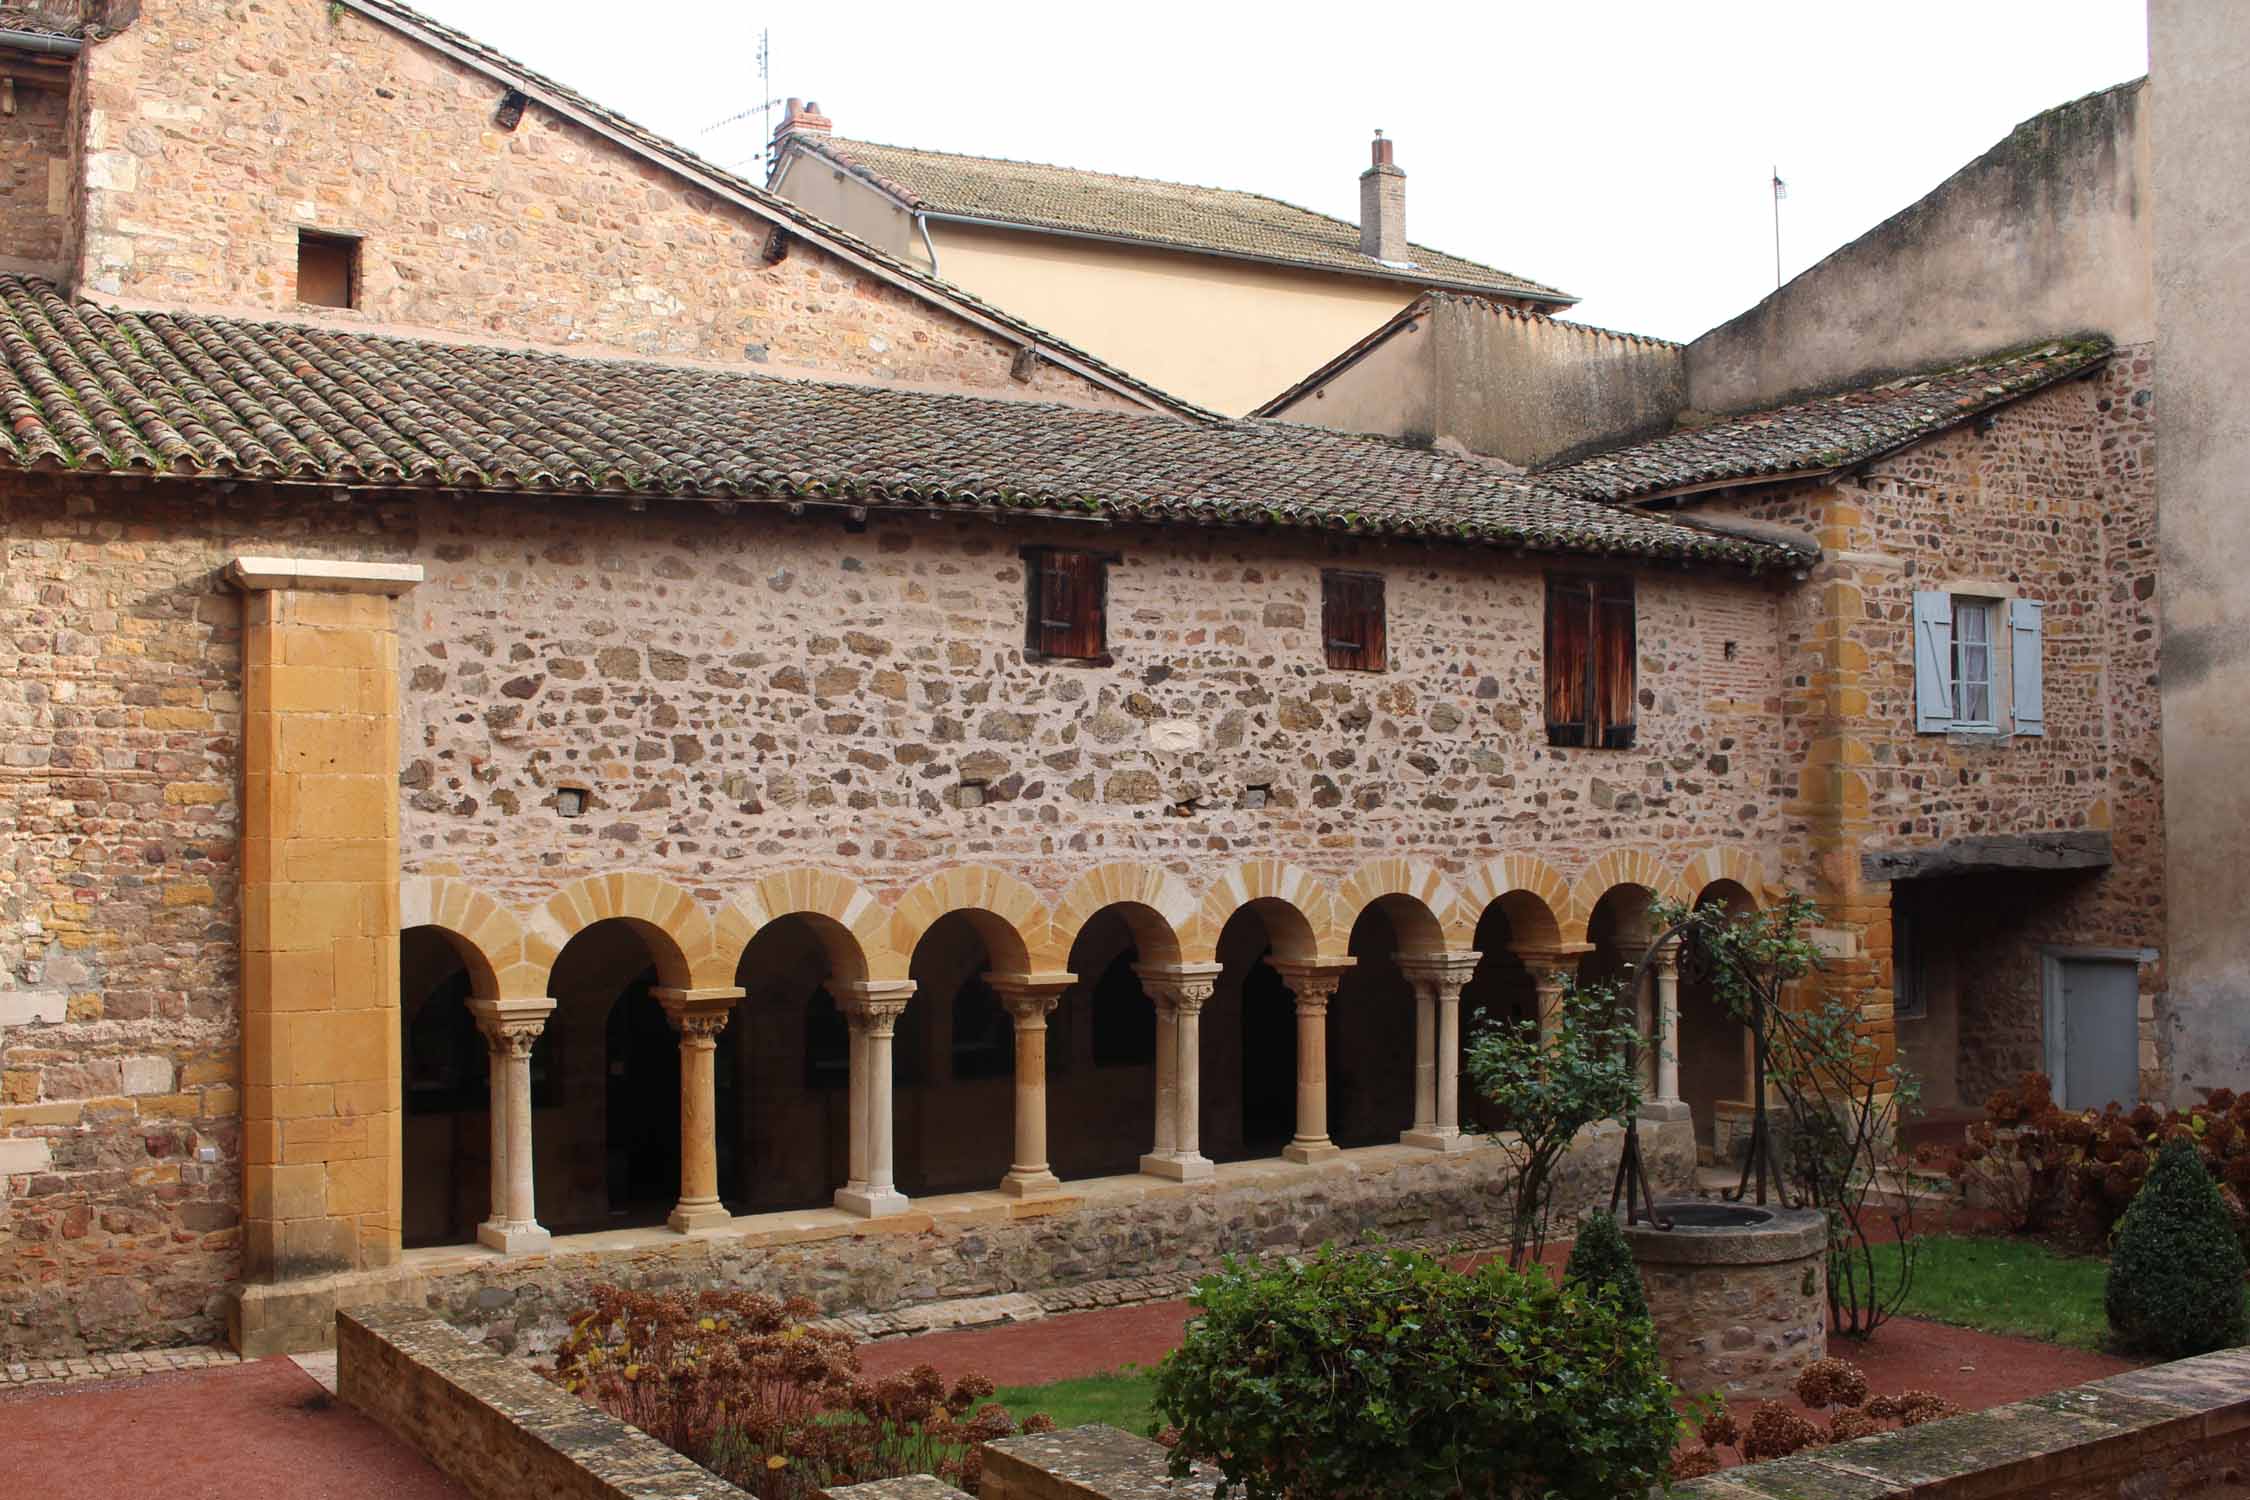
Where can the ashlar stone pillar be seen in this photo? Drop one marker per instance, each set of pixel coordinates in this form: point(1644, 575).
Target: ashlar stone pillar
point(511, 1029)
point(1179, 992)
point(698, 1015)
point(1030, 999)
point(871, 1009)
point(1438, 979)
point(321, 1087)
point(1664, 976)
point(1314, 984)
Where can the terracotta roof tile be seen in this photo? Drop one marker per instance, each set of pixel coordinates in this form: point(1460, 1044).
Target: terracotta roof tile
point(186, 395)
point(1214, 220)
point(1828, 432)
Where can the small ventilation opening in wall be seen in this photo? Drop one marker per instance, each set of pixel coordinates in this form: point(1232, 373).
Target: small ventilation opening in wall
point(327, 269)
point(571, 801)
point(969, 794)
point(1255, 794)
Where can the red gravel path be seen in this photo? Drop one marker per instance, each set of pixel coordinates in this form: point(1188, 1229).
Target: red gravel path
point(265, 1428)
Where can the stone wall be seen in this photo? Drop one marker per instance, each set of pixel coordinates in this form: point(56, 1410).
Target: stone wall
point(2053, 501)
point(215, 133)
point(35, 172)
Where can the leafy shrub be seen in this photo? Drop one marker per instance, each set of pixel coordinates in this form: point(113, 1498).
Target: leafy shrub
point(745, 1385)
point(1361, 1375)
point(2175, 1277)
point(1602, 1261)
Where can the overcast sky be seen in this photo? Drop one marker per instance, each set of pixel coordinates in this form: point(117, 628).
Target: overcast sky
point(1620, 151)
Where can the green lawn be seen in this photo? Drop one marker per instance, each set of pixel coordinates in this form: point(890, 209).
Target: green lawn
point(2009, 1286)
point(1121, 1399)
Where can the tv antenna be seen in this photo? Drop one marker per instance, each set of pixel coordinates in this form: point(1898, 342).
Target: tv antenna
point(763, 108)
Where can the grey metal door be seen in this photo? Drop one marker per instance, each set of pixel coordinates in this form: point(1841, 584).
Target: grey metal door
point(2101, 1032)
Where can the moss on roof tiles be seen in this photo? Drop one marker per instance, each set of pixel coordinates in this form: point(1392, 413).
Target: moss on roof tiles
point(223, 397)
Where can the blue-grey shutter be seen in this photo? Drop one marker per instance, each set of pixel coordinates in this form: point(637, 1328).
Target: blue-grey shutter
point(2025, 647)
point(1933, 661)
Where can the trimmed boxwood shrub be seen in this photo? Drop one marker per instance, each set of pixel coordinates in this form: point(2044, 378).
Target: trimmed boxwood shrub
point(1602, 1261)
point(2175, 1276)
point(1386, 1374)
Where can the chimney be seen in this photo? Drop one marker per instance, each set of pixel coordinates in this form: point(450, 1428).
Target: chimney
point(1382, 207)
point(800, 117)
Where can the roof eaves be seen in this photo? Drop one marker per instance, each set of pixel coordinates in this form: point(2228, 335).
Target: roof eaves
point(567, 102)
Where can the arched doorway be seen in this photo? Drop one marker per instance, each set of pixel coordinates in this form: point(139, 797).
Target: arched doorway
point(1250, 1035)
point(1504, 990)
point(956, 1058)
point(791, 1127)
point(1101, 1055)
point(1714, 1047)
point(1372, 1025)
point(446, 1132)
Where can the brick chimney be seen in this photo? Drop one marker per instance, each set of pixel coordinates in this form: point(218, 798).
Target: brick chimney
point(800, 117)
point(1382, 207)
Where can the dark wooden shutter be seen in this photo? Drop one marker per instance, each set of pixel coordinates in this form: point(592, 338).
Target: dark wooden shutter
point(1570, 658)
point(1065, 603)
point(1616, 664)
point(1351, 621)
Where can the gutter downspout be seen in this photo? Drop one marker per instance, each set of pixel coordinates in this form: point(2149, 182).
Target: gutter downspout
point(922, 223)
point(40, 41)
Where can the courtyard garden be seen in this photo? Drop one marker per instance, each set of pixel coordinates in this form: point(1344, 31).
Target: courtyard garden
point(1633, 1346)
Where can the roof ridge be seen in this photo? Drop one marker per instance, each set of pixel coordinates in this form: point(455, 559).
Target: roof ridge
point(664, 148)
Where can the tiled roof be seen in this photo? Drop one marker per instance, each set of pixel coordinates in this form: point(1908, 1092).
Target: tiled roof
point(1213, 220)
point(649, 144)
point(42, 18)
point(186, 395)
point(1827, 433)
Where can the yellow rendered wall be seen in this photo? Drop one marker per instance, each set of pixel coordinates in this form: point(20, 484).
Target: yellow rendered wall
point(1226, 334)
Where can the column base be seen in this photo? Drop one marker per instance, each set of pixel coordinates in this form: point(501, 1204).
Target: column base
point(689, 1217)
point(1304, 1151)
point(1438, 1140)
point(1174, 1167)
point(513, 1237)
point(870, 1203)
point(1022, 1184)
point(1666, 1109)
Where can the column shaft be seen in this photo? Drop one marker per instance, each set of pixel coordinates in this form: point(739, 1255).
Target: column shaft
point(1425, 1057)
point(1167, 1079)
point(1190, 1132)
point(871, 1008)
point(1314, 987)
point(1178, 991)
point(1437, 979)
point(1449, 1061)
point(511, 1030)
point(1030, 1001)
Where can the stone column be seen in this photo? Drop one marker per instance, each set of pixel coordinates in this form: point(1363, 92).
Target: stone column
point(1438, 979)
point(1314, 984)
point(1552, 968)
point(319, 859)
point(1179, 992)
point(698, 1016)
point(1030, 999)
point(511, 1029)
point(1664, 972)
point(871, 1009)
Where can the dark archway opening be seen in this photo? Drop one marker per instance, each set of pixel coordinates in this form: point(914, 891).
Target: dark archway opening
point(955, 1068)
point(1101, 1057)
point(791, 1127)
point(1714, 1047)
point(1504, 991)
point(1371, 1032)
point(1253, 1017)
point(446, 1132)
point(642, 1140)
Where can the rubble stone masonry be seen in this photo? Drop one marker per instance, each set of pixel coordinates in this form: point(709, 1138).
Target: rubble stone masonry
point(215, 132)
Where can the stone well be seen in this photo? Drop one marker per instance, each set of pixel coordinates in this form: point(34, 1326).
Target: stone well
point(1739, 1294)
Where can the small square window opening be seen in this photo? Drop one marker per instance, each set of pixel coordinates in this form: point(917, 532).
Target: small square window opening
point(327, 269)
point(1352, 621)
point(570, 801)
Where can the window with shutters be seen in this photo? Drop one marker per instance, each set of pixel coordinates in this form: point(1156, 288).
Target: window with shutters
point(1592, 662)
point(1351, 621)
point(1978, 663)
point(1065, 603)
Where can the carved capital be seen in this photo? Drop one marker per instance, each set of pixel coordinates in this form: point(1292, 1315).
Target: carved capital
point(1441, 974)
point(877, 1018)
point(1314, 981)
point(1665, 962)
point(509, 1039)
point(1030, 998)
point(1178, 988)
point(700, 1028)
point(511, 1027)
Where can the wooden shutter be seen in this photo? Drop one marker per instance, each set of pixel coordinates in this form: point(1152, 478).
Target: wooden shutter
point(2025, 618)
point(1616, 663)
point(1065, 602)
point(1570, 661)
point(1933, 661)
point(1351, 621)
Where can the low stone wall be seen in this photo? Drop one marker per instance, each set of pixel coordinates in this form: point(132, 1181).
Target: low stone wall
point(497, 1428)
point(1094, 1462)
point(986, 1244)
point(2167, 1430)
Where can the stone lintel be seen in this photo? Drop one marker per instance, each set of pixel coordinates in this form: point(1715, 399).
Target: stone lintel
point(1993, 854)
point(529, 1008)
point(1052, 982)
point(1552, 954)
point(874, 991)
point(1179, 971)
point(1322, 967)
point(321, 575)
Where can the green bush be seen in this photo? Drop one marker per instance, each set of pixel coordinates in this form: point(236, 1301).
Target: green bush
point(1601, 1261)
point(2175, 1276)
point(1362, 1375)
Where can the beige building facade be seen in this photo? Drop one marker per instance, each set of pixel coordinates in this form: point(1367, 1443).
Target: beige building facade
point(1223, 297)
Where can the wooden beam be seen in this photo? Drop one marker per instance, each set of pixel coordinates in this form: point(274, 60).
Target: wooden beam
point(1990, 855)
